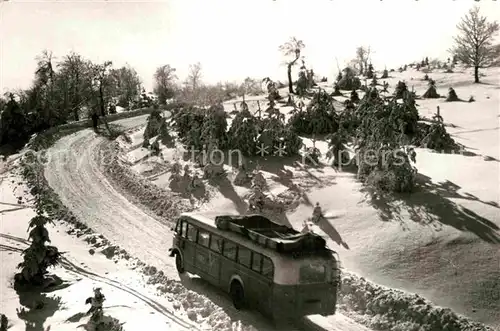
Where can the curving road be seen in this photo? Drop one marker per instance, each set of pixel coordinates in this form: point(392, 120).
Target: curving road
point(73, 170)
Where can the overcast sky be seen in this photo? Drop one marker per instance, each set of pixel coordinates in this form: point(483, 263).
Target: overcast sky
point(232, 39)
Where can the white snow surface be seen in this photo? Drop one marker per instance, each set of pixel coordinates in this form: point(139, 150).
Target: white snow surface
point(75, 175)
point(74, 171)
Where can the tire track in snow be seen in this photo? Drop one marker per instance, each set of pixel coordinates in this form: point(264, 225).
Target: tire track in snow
point(74, 172)
point(73, 268)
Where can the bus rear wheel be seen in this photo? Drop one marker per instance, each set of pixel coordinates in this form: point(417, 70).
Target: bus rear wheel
point(179, 263)
point(237, 295)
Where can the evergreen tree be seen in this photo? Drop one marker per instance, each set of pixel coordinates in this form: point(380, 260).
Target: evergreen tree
point(243, 133)
point(13, 121)
point(370, 71)
point(385, 74)
point(38, 257)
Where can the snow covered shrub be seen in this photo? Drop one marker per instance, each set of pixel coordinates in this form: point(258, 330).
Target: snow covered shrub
point(214, 127)
point(400, 90)
point(318, 118)
point(431, 92)
point(160, 201)
point(452, 95)
point(337, 146)
point(188, 123)
point(109, 324)
point(38, 257)
point(371, 97)
point(243, 133)
point(370, 72)
point(153, 125)
point(438, 139)
point(303, 81)
point(273, 133)
point(393, 173)
point(385, 74)
point(312, 155)
point(4, 322)
point(155, 148)
point(434, 136)
point(112, 109)
point(354, 96)
point(272, 88)
point(98, 321)
point(165, 136)
point(383, 131)
point(336, 90)
point(348, 80)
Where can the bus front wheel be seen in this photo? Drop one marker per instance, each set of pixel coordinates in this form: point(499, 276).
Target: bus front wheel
point(237, 295)
point(179, 263)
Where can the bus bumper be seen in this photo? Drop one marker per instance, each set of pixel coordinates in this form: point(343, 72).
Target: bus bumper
point(305, 300)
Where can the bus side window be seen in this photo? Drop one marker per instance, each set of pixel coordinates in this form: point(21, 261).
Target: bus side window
point(230, 250)
point(216, 243)
point(191, 233)
point(256, 262)
point(267, 267)
point(203, 237)
point(244, 256)
point(183, 230)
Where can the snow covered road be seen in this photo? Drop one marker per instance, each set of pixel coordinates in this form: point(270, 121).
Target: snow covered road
point(74, 171)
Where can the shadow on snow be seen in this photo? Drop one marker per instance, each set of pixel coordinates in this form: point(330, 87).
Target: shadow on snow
point(430, 205)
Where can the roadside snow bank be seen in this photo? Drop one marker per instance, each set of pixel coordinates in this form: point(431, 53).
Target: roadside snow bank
point(141, 191)
point(382, 308)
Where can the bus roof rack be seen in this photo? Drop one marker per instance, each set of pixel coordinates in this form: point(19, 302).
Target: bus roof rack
point(271, 235)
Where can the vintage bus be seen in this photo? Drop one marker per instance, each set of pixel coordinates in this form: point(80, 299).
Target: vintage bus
point(261, 264)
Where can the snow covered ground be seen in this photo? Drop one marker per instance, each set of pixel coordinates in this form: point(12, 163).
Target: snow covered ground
point(442, 242)
point(75, 174)
point(128, 296)
point(447, 231)
point(138, 296)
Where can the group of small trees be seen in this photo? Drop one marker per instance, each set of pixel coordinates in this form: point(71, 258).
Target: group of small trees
point(374, 123)
point(379, 129)
point(194, 91)
point(206, 129)
point(66, 90)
